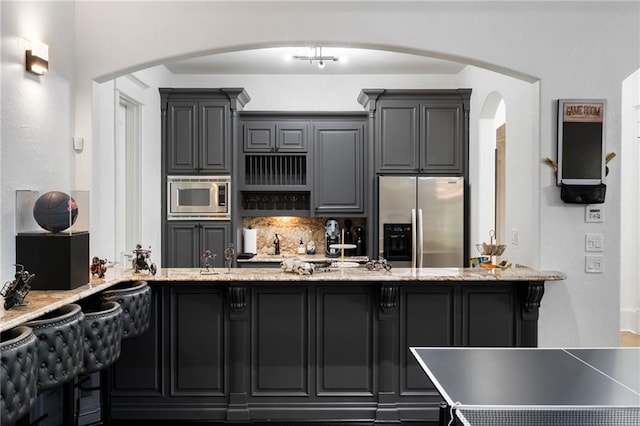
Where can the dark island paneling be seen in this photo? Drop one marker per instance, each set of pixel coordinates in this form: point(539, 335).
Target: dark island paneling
point(308, 351)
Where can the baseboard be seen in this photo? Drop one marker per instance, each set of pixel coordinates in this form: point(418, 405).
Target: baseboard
point(630, 320)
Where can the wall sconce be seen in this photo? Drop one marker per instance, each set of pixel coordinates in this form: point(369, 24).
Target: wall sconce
point(37, 59)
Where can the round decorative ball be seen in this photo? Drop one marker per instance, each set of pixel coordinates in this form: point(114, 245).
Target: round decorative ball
point(55, 211)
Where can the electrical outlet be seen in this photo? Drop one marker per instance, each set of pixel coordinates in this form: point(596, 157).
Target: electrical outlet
point(594, 264)
point(593, 242)
point(594, 213)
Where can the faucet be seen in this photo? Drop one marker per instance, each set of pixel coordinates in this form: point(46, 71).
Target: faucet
point(276, 242)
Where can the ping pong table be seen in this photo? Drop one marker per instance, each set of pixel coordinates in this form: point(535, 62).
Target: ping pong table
point(535, 386)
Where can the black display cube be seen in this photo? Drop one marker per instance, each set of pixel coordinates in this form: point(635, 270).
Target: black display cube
point(59, 261)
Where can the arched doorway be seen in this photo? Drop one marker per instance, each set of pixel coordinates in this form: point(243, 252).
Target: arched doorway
point(491, 175)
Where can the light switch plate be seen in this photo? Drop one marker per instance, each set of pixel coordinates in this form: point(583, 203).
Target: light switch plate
point(78, 143)
point(593, 264)
point(514, 236)
point(594, 213)
point(593, 242)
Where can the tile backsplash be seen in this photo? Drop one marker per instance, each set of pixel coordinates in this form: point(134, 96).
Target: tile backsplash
point(290, 230)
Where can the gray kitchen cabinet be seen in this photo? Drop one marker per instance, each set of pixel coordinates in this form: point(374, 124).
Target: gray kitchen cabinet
point(419, 131)
point(339, 155)
point(198, 137)
point(177, 367)
point(397, 121)
point(197, 129)
point(308, 351)
point(441, 144)
point(275, 136)
point(187, 240)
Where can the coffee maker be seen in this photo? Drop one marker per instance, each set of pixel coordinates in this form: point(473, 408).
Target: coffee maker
point(332, 236)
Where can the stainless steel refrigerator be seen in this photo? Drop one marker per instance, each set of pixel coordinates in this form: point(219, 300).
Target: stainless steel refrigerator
point(421, 221)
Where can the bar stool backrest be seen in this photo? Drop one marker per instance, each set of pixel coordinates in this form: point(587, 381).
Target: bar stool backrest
point(136, 307)
point(60, 354)
point(102, 336)
point(17, 373)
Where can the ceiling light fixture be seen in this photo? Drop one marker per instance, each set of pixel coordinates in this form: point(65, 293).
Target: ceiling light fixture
point(37, 59)
point(317, 56)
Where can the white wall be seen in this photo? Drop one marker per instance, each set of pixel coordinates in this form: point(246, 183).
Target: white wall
point(37, 112)
point(312, 92)
point(142, 87)
point(628, 162)
point(522, 161)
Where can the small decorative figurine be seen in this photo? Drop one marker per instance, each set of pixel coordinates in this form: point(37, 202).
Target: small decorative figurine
point(141, 260)
point(206, 258)
point(378, 264)
point(311, 247)
point(229, 252)
point(276, 243)
point(297, 266)
point(98, 267)
point(15, 291)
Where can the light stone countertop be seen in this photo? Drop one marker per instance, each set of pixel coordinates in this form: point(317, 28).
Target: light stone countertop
point(272, 258)
point(40, 302)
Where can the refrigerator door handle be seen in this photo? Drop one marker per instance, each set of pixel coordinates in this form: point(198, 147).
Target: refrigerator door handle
point(413, 238)
point(420, 240)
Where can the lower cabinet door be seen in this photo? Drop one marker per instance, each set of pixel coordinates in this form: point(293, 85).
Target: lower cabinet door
point(182, 247)
point(215, 237)
point(196, 316)
point(187, 241)
point(427, 318)
point(345, 360)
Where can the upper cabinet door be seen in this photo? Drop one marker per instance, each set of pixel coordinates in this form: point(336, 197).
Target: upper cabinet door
point(339, 167)
point(441, 138)
point(259, 136)
point(198, 137)
point(397, 143)
point(215, 149)
point(275, 136)
point(292, 136)
point(182, 136)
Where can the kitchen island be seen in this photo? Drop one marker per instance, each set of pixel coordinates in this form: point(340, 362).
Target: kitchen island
point(254, 344)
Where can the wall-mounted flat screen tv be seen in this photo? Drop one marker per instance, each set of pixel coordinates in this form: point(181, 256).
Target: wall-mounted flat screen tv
point(581, 149)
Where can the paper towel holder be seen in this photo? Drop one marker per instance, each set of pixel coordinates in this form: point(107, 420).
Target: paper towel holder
point(250, 243)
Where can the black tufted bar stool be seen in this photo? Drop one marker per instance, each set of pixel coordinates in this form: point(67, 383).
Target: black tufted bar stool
point(135, 300)
point(18, 373)
point(60, 352)
point(102, 336)
point(102, 342)
point(60, 340)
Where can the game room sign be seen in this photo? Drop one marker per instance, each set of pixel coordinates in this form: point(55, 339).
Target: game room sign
point(583, 112)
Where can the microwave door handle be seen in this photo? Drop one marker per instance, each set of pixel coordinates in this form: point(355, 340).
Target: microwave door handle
point(413, 238)
point(420, 240)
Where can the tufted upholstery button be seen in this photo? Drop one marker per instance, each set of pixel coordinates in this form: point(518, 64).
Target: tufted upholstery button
point(18, 373)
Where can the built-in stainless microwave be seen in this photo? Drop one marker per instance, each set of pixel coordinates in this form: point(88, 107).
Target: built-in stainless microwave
point(198, 197)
